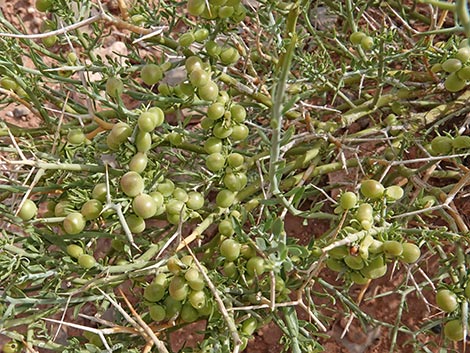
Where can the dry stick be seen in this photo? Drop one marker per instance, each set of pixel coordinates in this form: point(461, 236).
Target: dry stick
point(118, 208)
point(197, 232)
point(67, 303)
point(448, 205)
point(20, 100)
point(223, 310)
point(36, 179)
point(358, 302)
point(126, 316)
point(316, 267)
point(59, 125)
point(99, 332)
point(63, 30)
point(124, 10)
point(159, 344)
point(122, 329)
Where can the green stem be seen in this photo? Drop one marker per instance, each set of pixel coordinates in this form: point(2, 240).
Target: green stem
point(449, 6)
point(461, 9)
point(279, 97)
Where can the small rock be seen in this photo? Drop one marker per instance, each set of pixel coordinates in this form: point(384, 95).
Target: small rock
point(20, 112)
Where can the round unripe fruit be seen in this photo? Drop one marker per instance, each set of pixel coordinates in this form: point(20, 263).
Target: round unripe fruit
point(392, 248)
point(232, 182)
point(174, 207)
point(147, 122)
point(11, 347)
point(143, 141)
point(249, 326)
point(8, 83)
point(446, 300)
point(91, 209)
point(197, 299)
point(238, 113)
point(365, 212)
point(221, 131)
point(464, 73)
point(354, 262)
point(215, 161)
point(453, 330)
point(436, 68)
point(63, 208)
point(375, 269)
point(195, 200)
point(132, 184)
point(372, 189)
point(166, 187)
point(348, 200)
point(201, 34)
point(135, 223)
point(196, 7)
point(144, 206)
point(86, 261)
point(193, 275)
point(186, 39)
point(74, 223)
point(229, 55)
point(367, 43)
point(76, 137)
point(215, 111)
point(180, 194)
point(195, 279)
point(213, 49)
point(411, 253)
point(178, 288)
point(394, 192)
point(99, 192)
point(451, 65)
point(199, 78)
point(120, 132)
point(226, 11)
point(188, 313)
point(230, 249)
point(154, 292)
point(151, 74)
point(226, 228)
point(358, 278)
point(74, 251)
point(172, 307)
point(28, 210)
point(453, 83)
point(356, 37)
point(208, 92)
point(175, 138)
point(230, 269)
point(43, 5)
point(114, 87)
point(235, 160)
point(158, 115)
point(441, 144)
point(255, 266)
point(138, 163)
point(239, 132)
point(157, 312)
point(225, 198)
point(213, 145)
point(463, 54)
point(193, 63)
point(461, 142)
